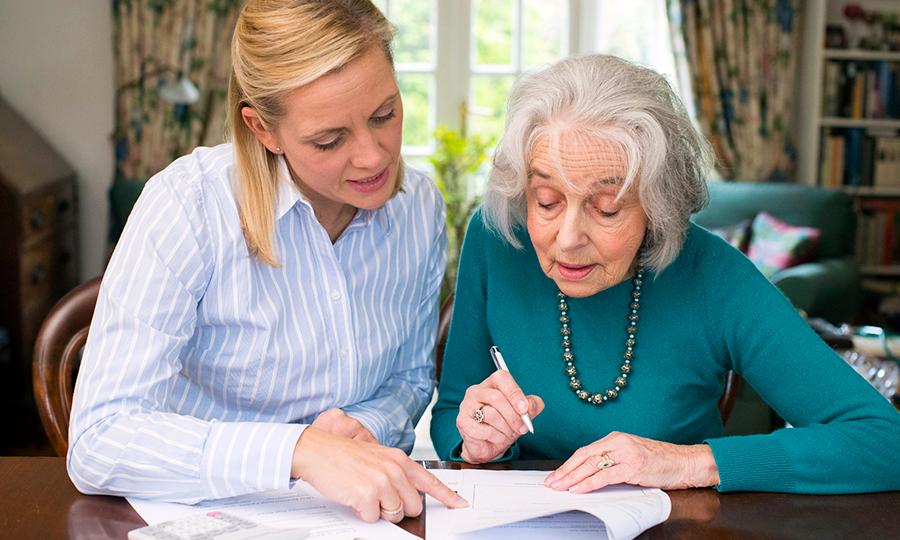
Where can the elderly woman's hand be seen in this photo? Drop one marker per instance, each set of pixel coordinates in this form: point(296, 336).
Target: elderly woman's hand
point(374, 480)
point(620, 458)
point(489, 433)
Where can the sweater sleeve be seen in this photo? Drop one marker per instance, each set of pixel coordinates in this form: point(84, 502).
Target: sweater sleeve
point(845, 437)
point(466, 359)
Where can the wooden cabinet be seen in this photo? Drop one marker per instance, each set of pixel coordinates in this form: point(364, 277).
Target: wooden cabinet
point(38, 245)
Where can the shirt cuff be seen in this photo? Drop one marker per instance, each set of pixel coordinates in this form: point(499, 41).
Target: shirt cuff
point(245, 457)
point(752, 463)
point(373, 420)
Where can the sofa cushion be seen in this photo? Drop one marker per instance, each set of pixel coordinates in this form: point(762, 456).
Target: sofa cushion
point(829, 211)
point(776, 245)
point(738, 235)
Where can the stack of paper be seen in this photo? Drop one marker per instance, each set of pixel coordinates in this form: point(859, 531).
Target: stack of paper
point(516, 505)
point(300, 507)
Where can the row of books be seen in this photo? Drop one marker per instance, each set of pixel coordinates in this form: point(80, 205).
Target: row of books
point(861, 89)
point(860, 157)
point(878, 232)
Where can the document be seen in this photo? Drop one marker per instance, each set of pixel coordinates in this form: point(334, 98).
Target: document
point(301, 506)
point(516, 505)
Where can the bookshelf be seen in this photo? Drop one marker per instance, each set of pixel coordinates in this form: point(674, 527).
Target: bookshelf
point(848, 124)
point(845, 93)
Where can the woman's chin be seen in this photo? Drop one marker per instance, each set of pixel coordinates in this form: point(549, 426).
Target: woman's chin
point(577, 289)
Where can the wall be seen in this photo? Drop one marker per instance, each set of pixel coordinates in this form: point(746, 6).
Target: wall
point(56, 69)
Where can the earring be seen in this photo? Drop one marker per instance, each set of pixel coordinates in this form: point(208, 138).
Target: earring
point(277, 149)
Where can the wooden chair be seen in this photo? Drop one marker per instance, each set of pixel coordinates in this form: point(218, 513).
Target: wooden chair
point(726, 402)
point(57, 356)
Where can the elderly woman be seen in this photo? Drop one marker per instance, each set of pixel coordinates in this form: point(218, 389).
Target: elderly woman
point(271, 309)
point(620, 318)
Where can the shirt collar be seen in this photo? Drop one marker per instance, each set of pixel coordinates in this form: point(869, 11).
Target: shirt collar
point(288, 196)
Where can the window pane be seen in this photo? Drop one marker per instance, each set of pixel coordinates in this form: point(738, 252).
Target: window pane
point(414, 30)
point(492, 27)
point(487, 104)
point(416, 89)
point(419, 162)
point(638, 31)
point(544, 23)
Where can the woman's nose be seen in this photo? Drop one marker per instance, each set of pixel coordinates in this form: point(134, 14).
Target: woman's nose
point(572, 234)
point(367, 153)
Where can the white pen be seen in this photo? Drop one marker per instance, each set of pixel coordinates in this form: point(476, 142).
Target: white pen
point(500, 364)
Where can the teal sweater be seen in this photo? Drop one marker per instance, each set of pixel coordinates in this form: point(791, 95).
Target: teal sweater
point(708, 312)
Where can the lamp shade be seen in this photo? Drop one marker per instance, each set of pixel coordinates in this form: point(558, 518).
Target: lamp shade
point(180, 91)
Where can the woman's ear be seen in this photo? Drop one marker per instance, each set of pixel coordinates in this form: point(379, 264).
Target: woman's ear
point(263, 134)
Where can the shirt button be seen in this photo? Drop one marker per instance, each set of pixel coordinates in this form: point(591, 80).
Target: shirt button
point(335, 295)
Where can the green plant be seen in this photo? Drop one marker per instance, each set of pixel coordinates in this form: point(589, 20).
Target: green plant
point(455, 160)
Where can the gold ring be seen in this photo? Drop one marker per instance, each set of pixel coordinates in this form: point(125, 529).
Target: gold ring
point(393, 511)
point(604, 461)
point(478, 415)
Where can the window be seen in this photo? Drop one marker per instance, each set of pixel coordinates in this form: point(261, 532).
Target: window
point(457, 59)
point(415, 54)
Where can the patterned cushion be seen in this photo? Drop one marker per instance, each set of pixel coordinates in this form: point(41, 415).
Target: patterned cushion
point(776, 245)
point(738, 235)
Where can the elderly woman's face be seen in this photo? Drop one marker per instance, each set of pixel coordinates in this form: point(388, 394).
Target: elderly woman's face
point(585, 241)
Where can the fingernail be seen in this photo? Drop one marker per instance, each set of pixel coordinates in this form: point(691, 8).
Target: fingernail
point(523, 407)
point(462, 503)
point(555, 484)
point(576, 489)
point(549, 480)
point(523, 430)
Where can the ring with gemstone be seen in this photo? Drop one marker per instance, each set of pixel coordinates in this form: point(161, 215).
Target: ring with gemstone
point(604, 461)
point(478, 415)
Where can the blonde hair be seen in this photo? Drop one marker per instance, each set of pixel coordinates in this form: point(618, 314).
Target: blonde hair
point(279, 46)
point(634, 108)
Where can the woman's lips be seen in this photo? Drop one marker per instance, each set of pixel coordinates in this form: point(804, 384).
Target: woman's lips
point(372, 183)
point(574, 272)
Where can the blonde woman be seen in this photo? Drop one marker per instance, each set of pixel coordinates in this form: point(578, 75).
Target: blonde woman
point(270, 312)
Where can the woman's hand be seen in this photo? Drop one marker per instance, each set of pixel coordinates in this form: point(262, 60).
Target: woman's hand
point(501, 403)
point(638, 461)
point(374, 480)
point(338, 422)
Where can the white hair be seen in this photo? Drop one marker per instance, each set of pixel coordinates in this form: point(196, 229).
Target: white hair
point(632, 107)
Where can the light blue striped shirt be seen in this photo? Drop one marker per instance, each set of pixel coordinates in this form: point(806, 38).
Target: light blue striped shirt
point(203, 366)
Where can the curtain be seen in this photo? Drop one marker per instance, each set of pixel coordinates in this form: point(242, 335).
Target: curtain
point(155, 42)
point(741, 59)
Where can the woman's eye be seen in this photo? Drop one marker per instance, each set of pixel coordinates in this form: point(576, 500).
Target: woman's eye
point(327, 146)
point(604, 213)
point(383, 118)
point(546, 206)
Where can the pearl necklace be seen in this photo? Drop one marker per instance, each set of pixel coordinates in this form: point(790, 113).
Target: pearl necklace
point(569, 357)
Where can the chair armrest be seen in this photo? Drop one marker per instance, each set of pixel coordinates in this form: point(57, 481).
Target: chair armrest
point(827, 288)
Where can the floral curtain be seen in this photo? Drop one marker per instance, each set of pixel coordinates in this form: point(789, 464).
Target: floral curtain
point(156, 42)
point(741, 56)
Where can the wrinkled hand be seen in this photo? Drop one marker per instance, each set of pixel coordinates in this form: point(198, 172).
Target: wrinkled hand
point(372, 479)
point(638, 461)
point(338, 422)
point(502, 401)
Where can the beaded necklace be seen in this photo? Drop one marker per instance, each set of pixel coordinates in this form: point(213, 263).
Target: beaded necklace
point(568, 356)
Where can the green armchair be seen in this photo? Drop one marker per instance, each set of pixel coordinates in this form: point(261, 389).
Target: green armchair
point(828, 287)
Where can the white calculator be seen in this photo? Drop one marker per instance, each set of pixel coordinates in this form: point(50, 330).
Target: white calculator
point(214, 526)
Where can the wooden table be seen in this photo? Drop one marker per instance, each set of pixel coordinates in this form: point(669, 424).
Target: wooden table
point(38, 501)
